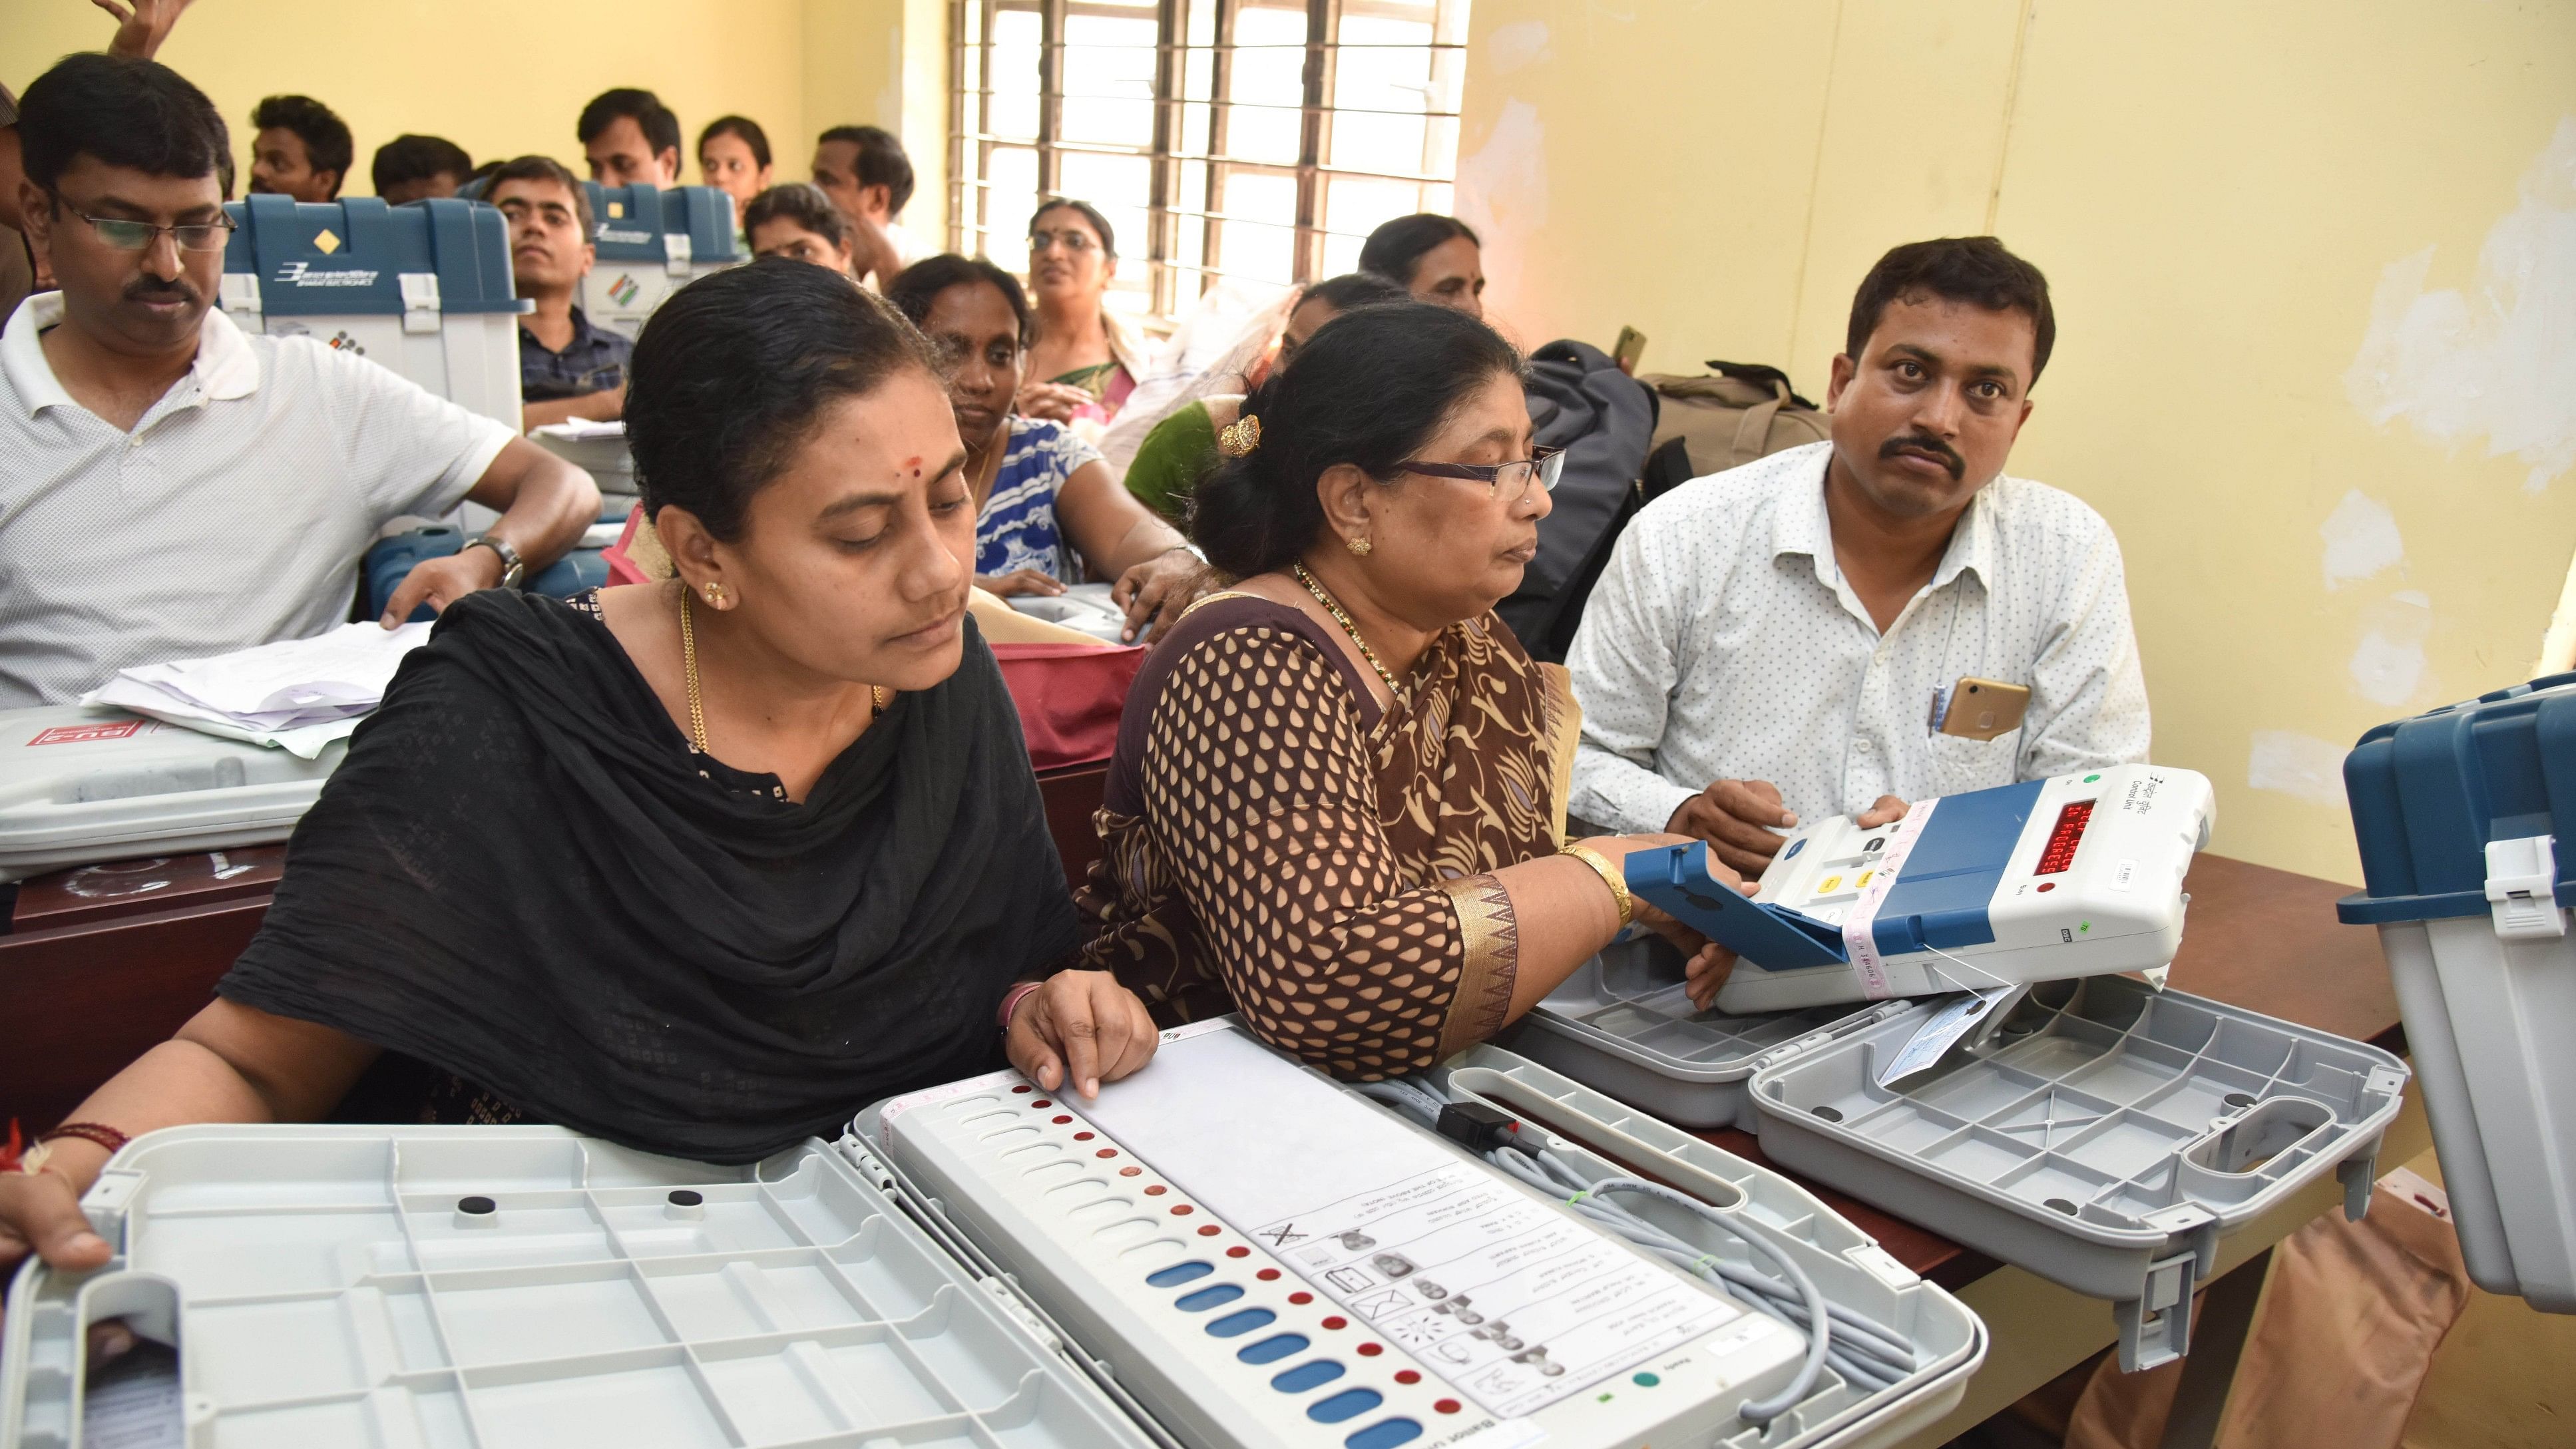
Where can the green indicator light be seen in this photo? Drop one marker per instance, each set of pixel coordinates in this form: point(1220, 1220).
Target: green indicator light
point(1646, 1381)
point(2089, 779)
point(2083, 926)
point(1605, 1398)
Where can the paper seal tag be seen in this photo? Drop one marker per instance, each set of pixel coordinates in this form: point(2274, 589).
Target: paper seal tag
point(1860, 939)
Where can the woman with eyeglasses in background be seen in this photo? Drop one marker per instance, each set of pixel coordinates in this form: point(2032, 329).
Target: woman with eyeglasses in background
point(1082, 361)
point(1338, 799)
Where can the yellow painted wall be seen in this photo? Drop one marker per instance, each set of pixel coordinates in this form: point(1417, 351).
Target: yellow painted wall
point(504, 77)
point(2218, 193)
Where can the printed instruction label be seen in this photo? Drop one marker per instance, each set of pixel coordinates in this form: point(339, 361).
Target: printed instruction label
point(81, 734)
point(1516, 1304)
point(1860, 940)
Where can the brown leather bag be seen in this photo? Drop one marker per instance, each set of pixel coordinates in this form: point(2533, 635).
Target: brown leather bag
point(1710, 424)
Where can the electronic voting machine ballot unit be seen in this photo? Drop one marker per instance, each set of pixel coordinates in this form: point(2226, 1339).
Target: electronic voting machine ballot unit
point(1227, 1250)
point(1934, 1016)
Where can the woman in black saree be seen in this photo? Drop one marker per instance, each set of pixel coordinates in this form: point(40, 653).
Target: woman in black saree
point(698, 867)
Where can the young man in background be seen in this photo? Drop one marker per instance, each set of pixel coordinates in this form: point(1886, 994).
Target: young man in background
point(567, 368)
point(866, 173)
point(628, 136)
point(414, 168)
point(302, 149)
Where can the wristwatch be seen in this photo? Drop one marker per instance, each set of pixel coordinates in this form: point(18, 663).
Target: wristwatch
point(512, 569)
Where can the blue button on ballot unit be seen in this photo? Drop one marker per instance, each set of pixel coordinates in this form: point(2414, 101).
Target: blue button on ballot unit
point(651, 243)
point(422, 288)
point(2076, 875)
point(2456, 813)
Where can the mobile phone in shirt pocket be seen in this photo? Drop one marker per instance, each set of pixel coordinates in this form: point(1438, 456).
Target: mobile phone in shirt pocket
point(1981, 709)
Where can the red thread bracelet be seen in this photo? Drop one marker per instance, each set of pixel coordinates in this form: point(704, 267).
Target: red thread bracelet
point(93, 1132)
point(1011, 1002)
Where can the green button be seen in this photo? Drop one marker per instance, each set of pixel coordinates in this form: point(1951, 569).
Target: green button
point(1645, 1381)
point(2089, 779)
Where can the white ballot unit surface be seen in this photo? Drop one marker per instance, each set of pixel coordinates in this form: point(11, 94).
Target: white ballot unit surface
point(2075, 875)
point(423, 288)
point(86, 785)
point(979, 1266)
point(651, 243)
point(1082, 607)
point(2456, 813)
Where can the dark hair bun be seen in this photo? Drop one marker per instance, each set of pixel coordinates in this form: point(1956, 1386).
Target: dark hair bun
point(732, 372)
point(1367, 389)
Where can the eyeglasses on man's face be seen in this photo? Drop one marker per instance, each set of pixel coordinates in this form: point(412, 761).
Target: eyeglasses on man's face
point(128, 235)
point(1510, 481)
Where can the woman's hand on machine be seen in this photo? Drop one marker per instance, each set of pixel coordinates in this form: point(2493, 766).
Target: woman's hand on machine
point(1154, 593)
point(41, 1212)
point(1080, 1029)
point(1709, 963)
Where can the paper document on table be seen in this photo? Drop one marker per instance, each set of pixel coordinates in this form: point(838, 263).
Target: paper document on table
point(1945, 1027)
point(298, 694)
point(582, 430)
point(1517, 1304)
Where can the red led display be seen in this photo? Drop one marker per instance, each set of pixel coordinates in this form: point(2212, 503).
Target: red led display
point(2062, 840)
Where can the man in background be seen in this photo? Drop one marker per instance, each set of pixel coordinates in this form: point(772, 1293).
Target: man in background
point(140, 29)
point(1787, 641)
point(866, 173)
point(302, 149)
point(414, 168)
point(628, 135)
point(567, 368)
point(175, 487)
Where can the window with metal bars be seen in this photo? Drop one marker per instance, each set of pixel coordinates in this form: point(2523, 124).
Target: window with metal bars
point(1253, 139)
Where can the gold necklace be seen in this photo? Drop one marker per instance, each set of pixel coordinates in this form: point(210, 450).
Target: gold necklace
point(1333, 607)
point(697, 706)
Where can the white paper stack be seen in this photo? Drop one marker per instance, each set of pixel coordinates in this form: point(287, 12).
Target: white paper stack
point(297, 694)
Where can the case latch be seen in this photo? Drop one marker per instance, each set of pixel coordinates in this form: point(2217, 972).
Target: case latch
point(420, 300)
point(2155, 1327)
point(2522, 883)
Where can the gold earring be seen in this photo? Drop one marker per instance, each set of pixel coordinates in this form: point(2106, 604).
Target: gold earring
point(1361, 545)
point(715, 596)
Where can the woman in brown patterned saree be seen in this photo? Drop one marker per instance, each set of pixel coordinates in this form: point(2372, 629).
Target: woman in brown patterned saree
point(1337, 803)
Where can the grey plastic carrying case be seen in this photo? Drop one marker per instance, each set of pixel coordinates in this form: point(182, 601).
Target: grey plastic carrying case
point(85, 786)
point(506, 1286)
point(2104, 1135)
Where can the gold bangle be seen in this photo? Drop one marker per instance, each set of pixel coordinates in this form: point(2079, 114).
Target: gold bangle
point(1609, 877)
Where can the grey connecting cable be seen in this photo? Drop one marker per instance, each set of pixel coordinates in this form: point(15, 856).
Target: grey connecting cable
point(1864, 1353)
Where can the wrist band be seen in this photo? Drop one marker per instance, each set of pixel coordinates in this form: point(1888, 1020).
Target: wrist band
point(97, 1132)
point(1011, 1002)
point(1609, 877)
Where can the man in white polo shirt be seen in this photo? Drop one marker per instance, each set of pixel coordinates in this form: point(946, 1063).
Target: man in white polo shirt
point(1774, 643)
point(172, 487)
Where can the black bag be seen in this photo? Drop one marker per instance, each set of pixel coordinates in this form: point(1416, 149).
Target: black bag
point(1580, 401)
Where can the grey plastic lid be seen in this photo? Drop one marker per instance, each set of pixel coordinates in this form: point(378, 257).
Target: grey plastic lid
point(2106, 1137)
point(487, 1286)
point(90, 785)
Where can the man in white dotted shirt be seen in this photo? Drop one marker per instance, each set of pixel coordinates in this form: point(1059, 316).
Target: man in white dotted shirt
point(1767, 644)
point(171, 487)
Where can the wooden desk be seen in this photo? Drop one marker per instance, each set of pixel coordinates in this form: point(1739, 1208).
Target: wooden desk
point(101, 963)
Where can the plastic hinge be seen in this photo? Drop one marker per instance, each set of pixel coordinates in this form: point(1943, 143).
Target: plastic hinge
point(877, 1174)
point(2522, 888)
point(2359, 1176)
point(675, 252)
point(2155, 1327)
point(239, 291)
point(1008, 1295)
